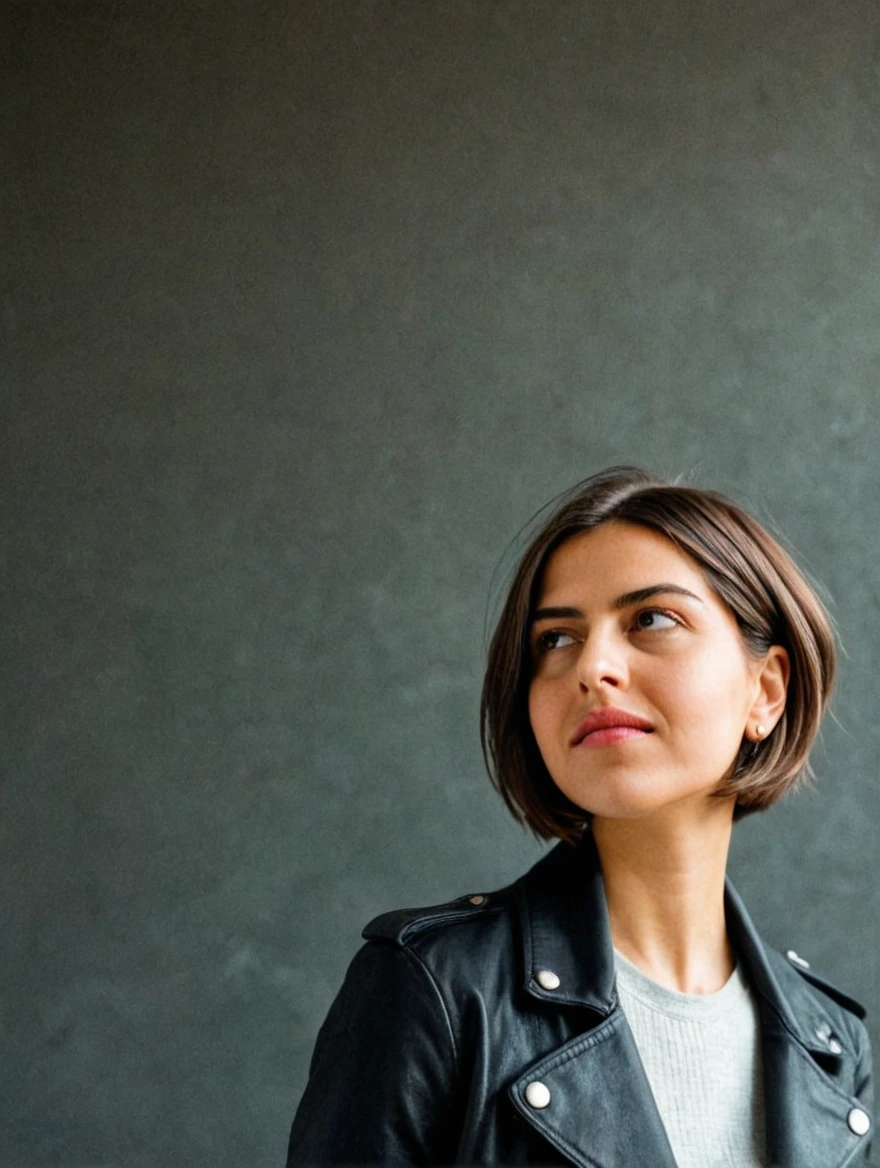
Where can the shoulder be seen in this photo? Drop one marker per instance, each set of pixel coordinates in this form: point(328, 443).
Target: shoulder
point(816, 981)
point(812, 982)
point(788, 980)
point(455, 922)
point(823, 1010)
point(469, 916)
point(468, 947)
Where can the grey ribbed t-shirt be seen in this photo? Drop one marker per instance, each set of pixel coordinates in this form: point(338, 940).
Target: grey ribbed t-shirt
point(702, 1056)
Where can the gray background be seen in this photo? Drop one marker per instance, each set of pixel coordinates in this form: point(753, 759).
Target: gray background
point(306, 307)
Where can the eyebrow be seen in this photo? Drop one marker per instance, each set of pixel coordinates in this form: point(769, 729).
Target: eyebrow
point(628, 598)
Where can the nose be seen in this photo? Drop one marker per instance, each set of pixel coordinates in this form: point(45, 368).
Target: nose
point(602, 662)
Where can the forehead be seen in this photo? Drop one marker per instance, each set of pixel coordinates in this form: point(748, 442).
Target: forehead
point(617, 558)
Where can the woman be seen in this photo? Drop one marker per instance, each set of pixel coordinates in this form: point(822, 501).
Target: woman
point(660, 668)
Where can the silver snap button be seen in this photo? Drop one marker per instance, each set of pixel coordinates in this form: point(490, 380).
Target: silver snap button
point(547, 979)
point(834, 1046)
point(538, 1096)
point(477, 900)
point(797, 959)
point(858, 1122)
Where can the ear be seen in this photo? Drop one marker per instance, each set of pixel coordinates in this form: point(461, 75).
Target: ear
point(769, 705)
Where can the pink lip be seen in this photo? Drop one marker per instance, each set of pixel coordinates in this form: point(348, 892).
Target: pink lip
point(611, 736)
point(606, 726)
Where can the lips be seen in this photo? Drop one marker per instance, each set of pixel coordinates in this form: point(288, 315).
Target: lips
point(609, 718)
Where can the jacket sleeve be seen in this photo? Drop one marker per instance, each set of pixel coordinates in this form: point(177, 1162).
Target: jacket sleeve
point(382, 1076)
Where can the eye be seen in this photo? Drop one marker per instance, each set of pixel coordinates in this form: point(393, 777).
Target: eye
point(553, 639)
point(654, 620)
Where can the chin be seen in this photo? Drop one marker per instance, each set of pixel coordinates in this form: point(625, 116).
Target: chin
point(629, 811)
point(619, 806)
point(642, 800)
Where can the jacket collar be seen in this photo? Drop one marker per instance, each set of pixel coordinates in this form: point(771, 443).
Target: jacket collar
point(565, 930)
point(779, 987)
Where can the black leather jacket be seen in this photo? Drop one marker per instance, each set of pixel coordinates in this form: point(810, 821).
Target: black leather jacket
point(442, 1024)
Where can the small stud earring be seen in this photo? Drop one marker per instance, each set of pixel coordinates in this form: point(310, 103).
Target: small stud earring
point(760, 730)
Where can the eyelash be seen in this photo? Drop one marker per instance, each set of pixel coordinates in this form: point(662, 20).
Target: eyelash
point(542, 647)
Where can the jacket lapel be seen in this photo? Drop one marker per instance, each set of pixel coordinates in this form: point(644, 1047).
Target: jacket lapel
point(598, 1110)
point(806, 1112)
point(597, 1099)
point(597, 1095)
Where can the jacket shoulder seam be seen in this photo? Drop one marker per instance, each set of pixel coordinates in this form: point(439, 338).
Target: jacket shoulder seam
point(417, 959)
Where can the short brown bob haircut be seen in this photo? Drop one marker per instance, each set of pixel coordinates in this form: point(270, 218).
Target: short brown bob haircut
point(754, 577)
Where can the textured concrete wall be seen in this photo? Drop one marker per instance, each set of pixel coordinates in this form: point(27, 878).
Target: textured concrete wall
point(305, 308)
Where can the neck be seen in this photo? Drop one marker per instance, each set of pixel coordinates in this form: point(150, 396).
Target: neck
point(664, 882)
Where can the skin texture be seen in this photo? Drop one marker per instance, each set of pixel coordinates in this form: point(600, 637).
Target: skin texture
point(678, 662)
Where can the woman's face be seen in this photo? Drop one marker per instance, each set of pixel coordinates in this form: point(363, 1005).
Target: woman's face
point(641, 687)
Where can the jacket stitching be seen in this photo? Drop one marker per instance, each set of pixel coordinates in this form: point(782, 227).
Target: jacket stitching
point(436, 988)
point(605, 1030)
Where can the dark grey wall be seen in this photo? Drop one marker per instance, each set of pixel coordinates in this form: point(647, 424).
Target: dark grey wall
point(306, 307)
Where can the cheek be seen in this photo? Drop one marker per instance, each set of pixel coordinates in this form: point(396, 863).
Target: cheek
point(534, 711)
point(543, 712)
point(715, 700)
